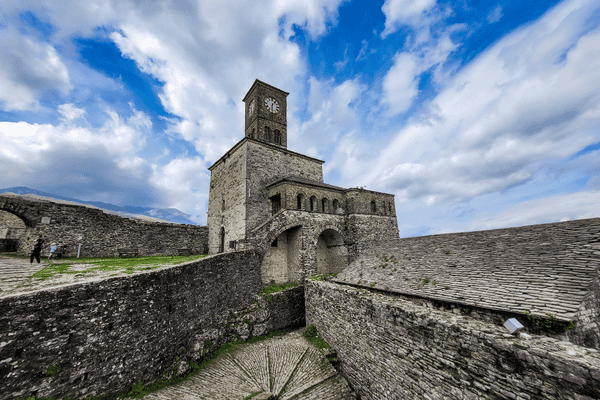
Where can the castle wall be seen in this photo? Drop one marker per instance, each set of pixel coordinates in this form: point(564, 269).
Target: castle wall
point(530, 271)
point(265, 164)
point(370, 230)
point(102, 233)
point(107, 335)
point(395, 349)
point(227, 200)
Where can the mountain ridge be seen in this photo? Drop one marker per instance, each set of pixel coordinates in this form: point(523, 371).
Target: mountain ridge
point(166, 214)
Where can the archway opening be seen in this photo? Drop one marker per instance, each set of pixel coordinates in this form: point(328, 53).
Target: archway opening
point(281, 263)
point(332, 255)
point(12, 229)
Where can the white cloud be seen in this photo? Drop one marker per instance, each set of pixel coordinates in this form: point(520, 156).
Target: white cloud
point(401, 82)
point(531, 98)
point(29, 69)
point(495, 15)
point(398, 12)
point(70, 112)
point(566, 207)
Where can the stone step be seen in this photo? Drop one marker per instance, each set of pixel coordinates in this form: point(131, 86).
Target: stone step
point(313, 370)
point(282, 368)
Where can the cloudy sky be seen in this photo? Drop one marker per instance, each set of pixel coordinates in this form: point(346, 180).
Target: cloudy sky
point(475, 114)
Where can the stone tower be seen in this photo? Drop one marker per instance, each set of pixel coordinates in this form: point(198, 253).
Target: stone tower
point(264, 196)
point(266, 114)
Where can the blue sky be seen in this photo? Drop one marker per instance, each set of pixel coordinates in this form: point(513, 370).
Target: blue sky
point(474, 114)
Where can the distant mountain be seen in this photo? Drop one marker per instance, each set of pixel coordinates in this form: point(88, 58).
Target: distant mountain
point(166, 214)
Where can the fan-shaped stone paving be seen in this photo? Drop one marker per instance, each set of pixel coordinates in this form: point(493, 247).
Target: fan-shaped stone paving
point(284, 368)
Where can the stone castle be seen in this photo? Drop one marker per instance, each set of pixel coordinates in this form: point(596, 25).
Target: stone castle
point(413, 318)
point(263, 195)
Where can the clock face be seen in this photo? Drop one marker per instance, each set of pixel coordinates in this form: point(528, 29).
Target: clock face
point(251, 107)
point(272, 105)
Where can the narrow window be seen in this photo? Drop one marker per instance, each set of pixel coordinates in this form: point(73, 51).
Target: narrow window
point(267, 134)
point(232, 244)
point(336, 205)
point(275, 204)
point(274, 243)
point(325, 205)
point(277, 136)
point(313, 203)
point(253, 133)
point(222, 240)
point(223, 205)
point(300, 202)
point(373, 207)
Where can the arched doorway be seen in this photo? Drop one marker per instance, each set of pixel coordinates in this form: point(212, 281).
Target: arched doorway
point(282, 259)
point(11, 230)
point(332, 255)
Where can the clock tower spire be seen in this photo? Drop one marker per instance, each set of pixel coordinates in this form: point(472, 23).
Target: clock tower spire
point(266, 114)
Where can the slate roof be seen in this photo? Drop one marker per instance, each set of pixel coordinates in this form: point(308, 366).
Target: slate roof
point(547, 268)
point(304, 181)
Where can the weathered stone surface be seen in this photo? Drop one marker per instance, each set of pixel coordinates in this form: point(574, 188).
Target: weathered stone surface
point(107, 335)
point(539, 269)
point(102, 233)
point(395, 349)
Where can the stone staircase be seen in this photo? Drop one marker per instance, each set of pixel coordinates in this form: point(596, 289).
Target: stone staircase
point(270, 370)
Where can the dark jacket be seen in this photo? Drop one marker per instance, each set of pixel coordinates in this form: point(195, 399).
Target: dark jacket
point(38, 246)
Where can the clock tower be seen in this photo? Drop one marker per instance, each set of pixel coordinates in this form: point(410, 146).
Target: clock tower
point(266, 114)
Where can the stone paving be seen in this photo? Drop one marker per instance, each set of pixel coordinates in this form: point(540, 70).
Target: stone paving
point(284, 368)
point(14, 272)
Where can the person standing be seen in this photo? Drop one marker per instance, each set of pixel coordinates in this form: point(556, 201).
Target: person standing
point(37, 249)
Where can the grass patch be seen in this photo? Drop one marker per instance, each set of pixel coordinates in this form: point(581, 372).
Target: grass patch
point(253, 395)
point(274, 288)
point(123, 265)
point(313, 337)
point(322, 277)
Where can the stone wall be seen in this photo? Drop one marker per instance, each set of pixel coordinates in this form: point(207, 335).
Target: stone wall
point(265, 164)
point(107, 335)
point(533, 271)
point(226, 199)
point(102, 233)
point(394, 349)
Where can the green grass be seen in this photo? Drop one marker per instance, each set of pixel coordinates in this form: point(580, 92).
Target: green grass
point(322, 277)
point(313, 337)
point(274, 288)
point(124, 265)
point(253, 395)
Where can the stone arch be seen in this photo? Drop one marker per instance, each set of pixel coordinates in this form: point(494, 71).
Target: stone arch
point(331, 251)
point(325, 204)
point(301, 201)
point(336, 206)
point(313, 203)
point(277, 136)
point(282, 261)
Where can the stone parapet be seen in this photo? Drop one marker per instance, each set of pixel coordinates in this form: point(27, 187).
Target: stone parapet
point(394, 349)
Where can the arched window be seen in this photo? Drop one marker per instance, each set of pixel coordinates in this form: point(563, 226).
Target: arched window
point(267, 134)
point(222, 240)
point(373, 207)
point(253, 133)
point(336, 205)
point(300, 198)
point(277, 135)
point(313, 203)
point(325, 205)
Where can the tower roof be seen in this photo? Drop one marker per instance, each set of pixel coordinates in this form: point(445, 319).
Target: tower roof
point(258, 82)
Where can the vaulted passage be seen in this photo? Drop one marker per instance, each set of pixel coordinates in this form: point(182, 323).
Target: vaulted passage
point(332, 255)
point(11, 229)
point(282, 260)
